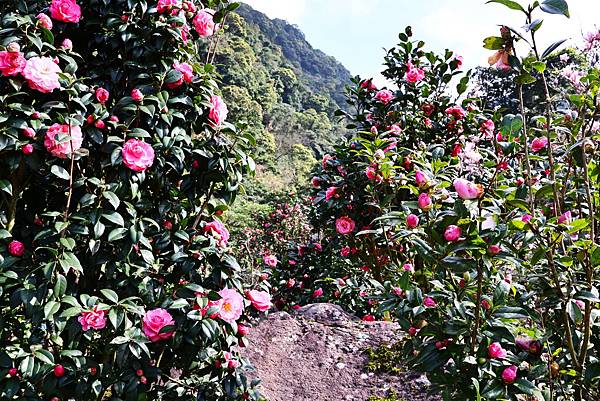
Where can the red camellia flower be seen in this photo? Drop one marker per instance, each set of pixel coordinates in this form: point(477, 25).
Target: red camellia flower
point(412, 221)
point(102, 95)
point(496, 351)
point(137, 95)
point(16, 248)
point(59, 371)
point(317, 293)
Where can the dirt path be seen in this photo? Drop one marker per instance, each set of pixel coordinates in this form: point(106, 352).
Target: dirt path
point(318, 355)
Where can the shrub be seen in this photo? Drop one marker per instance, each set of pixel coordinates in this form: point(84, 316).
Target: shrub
point(116, 158)
point(495, 213)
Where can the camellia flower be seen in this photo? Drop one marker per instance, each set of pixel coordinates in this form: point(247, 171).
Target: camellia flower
point(67, 44)
point(371, 173)
point(62, 140)
point(345, 225)
point(218, 111)
point(496, 351)
point(412, 221)
point(487, 128)
point(16, 248)
point(408, 267)
point(65, 11)
point(41, 74)
point(423, 182)
point(457, 112)
point(429, 302)
point(94, 319)
point(270, 260)
point(261, 300)
point(325, 160)
point(218, 231)
point(137, 95)
point(164, 6)
point(154, 321)
point(315, 182)
point(413, 74)
point(468, 190)
point(384, 96)
point(44, 21)
point(500, 60)
point(539, 143)
point(452, 233)
point(12, 63)
point(102, 95)
point(425, 202)
point(565, 218)
point(137, 155)
point(317, 293)
point(231, 305)
point(494, 250)
point(509, 375)
point(204, 23)
point(330, 193)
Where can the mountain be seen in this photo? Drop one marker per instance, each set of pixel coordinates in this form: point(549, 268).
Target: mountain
point(286, 91)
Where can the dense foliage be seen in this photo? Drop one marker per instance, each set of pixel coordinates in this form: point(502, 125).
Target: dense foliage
point(478, 226)
point(116, 159)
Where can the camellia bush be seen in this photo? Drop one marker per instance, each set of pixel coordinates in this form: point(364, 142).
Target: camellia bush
point(479, 226)
point(116, 159)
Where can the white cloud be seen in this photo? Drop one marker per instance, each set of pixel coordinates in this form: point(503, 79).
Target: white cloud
point(289, 10)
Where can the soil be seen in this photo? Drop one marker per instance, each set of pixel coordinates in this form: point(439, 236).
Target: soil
point(318, 354)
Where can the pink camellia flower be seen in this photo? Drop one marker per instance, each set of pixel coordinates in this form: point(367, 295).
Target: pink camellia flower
point(408, 267)
point(412, 331)
point(186, 70)
point(154, 321)
point(496, 351)
point(330, 193)
point(12, 63)
point(452, 233)
point(65, 11)
point(243, 330)
point(460, 60)
point(423, 182)
point(29, 132)
point(317, 293)
point(204, 23)
point(425, 202)
point(345, 252)
point(67, 44)
point(467, 190)
point(429, 302)
point(270, 260)
point(16, 248)
point(218, 231)
point(538, 144)
point(94, 319)
point(526, 218)
point(164, 6)
point(59, 143)
point(44, 21)
point(218, 112)
point(500, 60)
point(412, 221)
point(345, 225)
point(231, 305)
point(414, 74)
point(371, 173)
point(261, 300)
point(398, 291)
point(41, 74)
point(102, 95)
point(137, 95)
point(325, 160)
point(565, 218)
point(368, 84)
point(457, 112)
point(509, 375)
point(395, 129)
point(137, 155)
point(27, 149)
point(384, 96)
point(494, 250)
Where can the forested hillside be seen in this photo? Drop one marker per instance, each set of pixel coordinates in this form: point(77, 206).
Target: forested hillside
point(286, 91)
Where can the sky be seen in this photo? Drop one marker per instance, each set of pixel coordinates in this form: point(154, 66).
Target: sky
point(356, 31)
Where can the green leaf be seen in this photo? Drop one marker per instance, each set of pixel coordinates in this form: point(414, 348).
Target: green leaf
point(114, 217)
point(112, 198)
point(493, 43)
point(524, 79)
point(556, 7)
point(6, 186)
point(51, 308)
point(551, 48)
point(508, 3)
point(60, 172)
point(60, 287)
point(110, 295)
point(117, 234)
point(45, 356)
point(534, 26)
point(539, 66)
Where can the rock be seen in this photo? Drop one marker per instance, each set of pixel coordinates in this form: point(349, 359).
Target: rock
point(318, 354)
